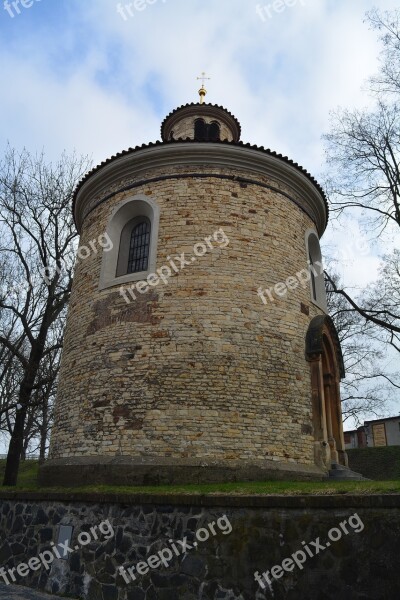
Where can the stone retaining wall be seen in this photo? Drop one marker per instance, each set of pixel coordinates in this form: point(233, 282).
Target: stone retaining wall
point(265, 530)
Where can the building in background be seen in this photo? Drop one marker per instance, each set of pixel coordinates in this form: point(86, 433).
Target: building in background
point(355, 438)
point(379, 432)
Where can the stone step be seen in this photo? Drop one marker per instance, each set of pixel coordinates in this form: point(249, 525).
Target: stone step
point(341, 473)
point(338, 467)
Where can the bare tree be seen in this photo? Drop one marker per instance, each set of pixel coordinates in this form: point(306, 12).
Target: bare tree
point(379, 305)
point(10, 376)
point(37, 250)
point(363, 155)
point(40, 414)
point(367, 385)
point(388, 25)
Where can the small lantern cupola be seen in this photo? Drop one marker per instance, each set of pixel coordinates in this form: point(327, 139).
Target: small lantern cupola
point(201, 122)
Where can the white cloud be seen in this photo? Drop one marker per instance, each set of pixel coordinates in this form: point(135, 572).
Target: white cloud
point(280, 78)
point(101, 84)
point(90, 80)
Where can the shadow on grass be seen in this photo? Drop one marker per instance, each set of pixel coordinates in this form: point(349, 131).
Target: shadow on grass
point(27, 481)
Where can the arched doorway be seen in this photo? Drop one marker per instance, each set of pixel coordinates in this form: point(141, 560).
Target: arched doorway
point(326, 362)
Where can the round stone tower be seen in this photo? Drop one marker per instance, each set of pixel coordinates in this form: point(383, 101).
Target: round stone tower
point(197, 346)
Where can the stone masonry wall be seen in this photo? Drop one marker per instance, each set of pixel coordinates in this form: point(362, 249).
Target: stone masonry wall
point(199, 367)
point(255, 535)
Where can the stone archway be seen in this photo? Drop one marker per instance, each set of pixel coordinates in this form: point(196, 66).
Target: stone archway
point(326, 362)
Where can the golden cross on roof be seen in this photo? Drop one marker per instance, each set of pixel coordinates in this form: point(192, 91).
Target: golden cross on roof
point(202, 90)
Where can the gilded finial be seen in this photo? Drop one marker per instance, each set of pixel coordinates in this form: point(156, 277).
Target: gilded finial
point(202, 90)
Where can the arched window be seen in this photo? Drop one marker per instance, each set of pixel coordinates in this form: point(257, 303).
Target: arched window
point(134, 246)
point(206, 133)
point(312, 273)
point(214, 132)
point(133, 230)
point(139, 246)
point(200, 132)
point(317, 279)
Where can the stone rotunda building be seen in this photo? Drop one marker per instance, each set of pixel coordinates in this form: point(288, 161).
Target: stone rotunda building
point(198, 346)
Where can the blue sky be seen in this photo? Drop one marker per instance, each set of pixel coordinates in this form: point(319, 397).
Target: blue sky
point(84, 77)
point(77, 75)
point(281, 77)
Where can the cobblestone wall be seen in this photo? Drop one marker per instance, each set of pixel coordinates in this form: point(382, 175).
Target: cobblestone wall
point(361, 565)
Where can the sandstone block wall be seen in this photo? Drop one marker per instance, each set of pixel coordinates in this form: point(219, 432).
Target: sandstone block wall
point(199, 367)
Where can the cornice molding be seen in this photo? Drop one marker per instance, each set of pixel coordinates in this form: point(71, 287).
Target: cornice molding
point(299, 186)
